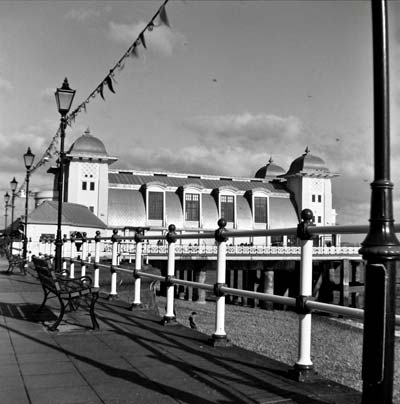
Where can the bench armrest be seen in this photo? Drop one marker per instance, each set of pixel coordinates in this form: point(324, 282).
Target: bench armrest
point(82, 282)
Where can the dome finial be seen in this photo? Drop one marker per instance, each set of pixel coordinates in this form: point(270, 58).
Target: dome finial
point(307, 150)
point(270, 161)
point(87, 131)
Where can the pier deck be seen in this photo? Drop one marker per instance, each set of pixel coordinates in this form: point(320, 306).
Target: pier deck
point(132, 359)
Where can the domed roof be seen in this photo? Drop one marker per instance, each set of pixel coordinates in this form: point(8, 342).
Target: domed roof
point(88, 145)
point(307, 163)
point(269, 170)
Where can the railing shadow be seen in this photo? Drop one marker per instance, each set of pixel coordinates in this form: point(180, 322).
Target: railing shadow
point(167, 337)
point(26, 312)
point(242, 371)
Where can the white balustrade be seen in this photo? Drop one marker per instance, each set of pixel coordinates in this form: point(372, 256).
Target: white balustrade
point(138, 266)
point(114, 261)
point(96, 272)
point(169, 315)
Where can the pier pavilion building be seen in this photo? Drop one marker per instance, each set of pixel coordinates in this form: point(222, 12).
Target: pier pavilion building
point(128, 199)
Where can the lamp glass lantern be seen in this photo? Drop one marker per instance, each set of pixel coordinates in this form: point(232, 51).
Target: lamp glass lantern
point(28, 158)
point(64, 98)
point(13, 184)
point(7, 198)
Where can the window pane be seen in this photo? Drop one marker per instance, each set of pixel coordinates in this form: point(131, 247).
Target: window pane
point(227, 208)
point(155, 207)
point(84, 185)
point(92, 186)
point(192, 207)
point(276, 241)
point(260, 210)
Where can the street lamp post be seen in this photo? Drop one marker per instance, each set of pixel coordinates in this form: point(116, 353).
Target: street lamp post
point(28, 160)
point(381, 248)
point(6, 201)
point(64, 98)
point(14, 184)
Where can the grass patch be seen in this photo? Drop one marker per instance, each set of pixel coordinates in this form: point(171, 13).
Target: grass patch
point(336, 345)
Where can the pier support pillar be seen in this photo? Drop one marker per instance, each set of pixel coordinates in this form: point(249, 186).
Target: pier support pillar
point(201, 276)
point(267, 284)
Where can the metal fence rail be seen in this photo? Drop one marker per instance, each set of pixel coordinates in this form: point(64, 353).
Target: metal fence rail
point(90, 257)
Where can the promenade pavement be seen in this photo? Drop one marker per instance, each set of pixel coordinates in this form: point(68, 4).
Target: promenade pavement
point(131, 359)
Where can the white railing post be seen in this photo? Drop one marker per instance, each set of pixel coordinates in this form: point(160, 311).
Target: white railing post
point(219, 337)
point(29, 249)
point(304, 368)
point(84, 254)
point(46, 241)
point(72, 256)
point(169, 317)
point(114, 261)
point(96, 281)
point(138, 266)
point(40, 246)
point(64, 262)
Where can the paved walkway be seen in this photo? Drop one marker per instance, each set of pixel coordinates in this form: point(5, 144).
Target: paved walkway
point(132, 359)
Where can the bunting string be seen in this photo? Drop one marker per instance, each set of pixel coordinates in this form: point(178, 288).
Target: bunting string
point(108, 82)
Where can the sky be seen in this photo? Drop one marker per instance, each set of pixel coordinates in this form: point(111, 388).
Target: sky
point(229, 85)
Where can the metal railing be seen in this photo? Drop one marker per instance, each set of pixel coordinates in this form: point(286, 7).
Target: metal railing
point(90, 257)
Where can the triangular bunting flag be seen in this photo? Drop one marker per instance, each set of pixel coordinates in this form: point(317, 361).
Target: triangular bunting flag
point(141, 37)
point(110, 84)
point(134, 51)
point(121, 65)
point(101, 90)
point(163, 16)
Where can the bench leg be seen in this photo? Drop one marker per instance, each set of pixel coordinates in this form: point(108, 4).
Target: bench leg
point(43, 303)
point(58, 321)
point(95, 324)
point(22, 267)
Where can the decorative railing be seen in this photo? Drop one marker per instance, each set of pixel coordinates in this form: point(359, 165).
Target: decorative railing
point(127, 248)
point(91, 251)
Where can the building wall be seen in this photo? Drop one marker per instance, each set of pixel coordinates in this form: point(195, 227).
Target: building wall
point(124, 204)
point(89, 172)
point(316, 194)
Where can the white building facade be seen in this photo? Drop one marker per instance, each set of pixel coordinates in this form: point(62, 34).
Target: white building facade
point(128, 199)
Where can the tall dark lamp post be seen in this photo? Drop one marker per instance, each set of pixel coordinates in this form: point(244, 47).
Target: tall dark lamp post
point(6, 201)
point(28, 160)
point(381, 248)
point(14, 184)
point(64, 98)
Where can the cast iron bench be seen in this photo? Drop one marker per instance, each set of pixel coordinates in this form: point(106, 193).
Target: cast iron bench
point(14, 261)
point(68, 291)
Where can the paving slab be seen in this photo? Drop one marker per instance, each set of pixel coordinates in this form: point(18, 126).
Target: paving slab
point(132, 359)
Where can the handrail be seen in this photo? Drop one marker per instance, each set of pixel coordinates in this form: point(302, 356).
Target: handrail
point(209, 234)
point(88, 256)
